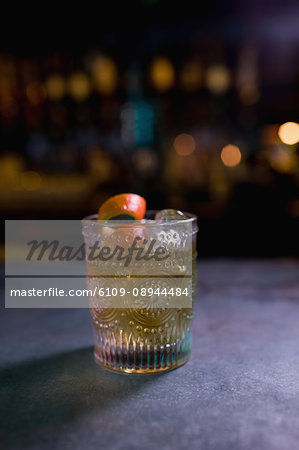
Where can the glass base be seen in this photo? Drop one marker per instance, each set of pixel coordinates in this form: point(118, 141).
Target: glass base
point(139, 371)
point(144, 359)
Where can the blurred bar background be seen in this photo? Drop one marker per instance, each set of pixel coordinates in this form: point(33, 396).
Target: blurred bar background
point(194, 106)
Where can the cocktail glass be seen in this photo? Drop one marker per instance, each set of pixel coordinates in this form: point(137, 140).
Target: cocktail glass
point(141, 308)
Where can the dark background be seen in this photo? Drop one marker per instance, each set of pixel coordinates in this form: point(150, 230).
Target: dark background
point(82, 117)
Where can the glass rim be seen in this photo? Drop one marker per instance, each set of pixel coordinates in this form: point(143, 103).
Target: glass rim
point(92, 219)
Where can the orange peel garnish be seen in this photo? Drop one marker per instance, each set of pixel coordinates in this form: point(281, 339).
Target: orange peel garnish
point(131, 205)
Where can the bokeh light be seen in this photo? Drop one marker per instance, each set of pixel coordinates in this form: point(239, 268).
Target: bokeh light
point(99, 164)
point(289, 133)
point(79, 86)
point(218, 78)
point(11, 167)
point(162, 74)
point(55, 87)
point(249, 94)
point(184, 144)
point(30, 181)
point(36, 92)
point(231, 155)
point(144, 160)
point(190, 76)
point(104, 75)
point(281, 159)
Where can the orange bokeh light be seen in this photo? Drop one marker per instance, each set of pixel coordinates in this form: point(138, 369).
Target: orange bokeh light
point(55, 87)
point(162, 74)
point(184, 144)
point(79, 86)
point(218, 79)
point(104, 74)
point(190, 76)
point(289, 133)
point(231, 155)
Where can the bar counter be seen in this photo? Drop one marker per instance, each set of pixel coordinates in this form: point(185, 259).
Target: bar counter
point(240, 389)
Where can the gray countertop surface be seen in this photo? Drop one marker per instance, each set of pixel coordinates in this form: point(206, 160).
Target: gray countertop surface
point(240, 390)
